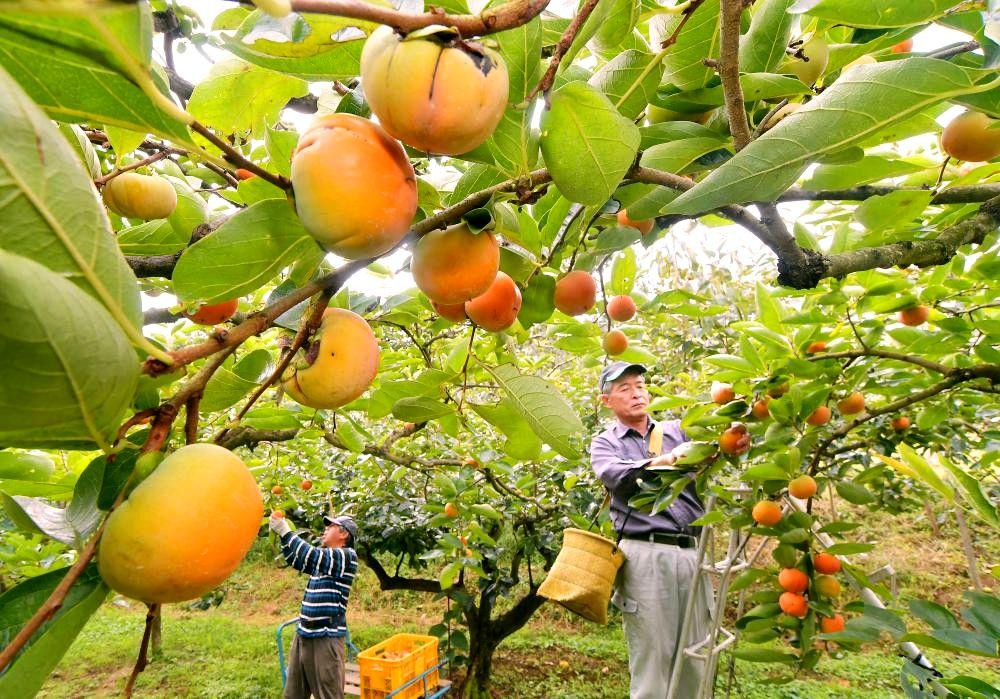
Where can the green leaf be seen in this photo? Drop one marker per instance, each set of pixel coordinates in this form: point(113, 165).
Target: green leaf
point(973, 491)
point(522, 443)
point(227, 386)
point(629, 80)
point(868, 99)
point(68, 371)
point(50, 213)
point(64, 63)
point(917, 468)
point(854, 493)
point(892, 211)
point(756, 87)
point(513, 145)
point(934, 614)
point(23, 466)
point(676, 156)
point(623, 272)
point(847, 549)
point(955, 641)
point(243, 254)
point(46, 648)
point(984, 613)
point(765, 472)
point(260, 93)
point(587, 145)
point(875, 13)
point(870, 168)
point(763, 655)
point(542, 406)
point(698, 40)
point(536, 300)
point(152, 238)
point(420, 409)
point(521, 49)
point(763, 46)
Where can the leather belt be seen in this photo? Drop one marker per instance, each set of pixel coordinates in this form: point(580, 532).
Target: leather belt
point(683, 541)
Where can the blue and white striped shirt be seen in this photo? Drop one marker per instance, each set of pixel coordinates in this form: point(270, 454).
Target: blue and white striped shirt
point(331, 572)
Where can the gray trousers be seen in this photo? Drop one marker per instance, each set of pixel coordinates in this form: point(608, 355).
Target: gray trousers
point(652, 593)
point(316, 668)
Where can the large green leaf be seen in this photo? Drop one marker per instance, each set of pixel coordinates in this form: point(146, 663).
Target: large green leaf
point(521, 48)
point(763, 46)
point(420, 409)
point(587, 145)
point(756, 86)
point(875, 13)
point(45, 649)
point(866, 100)
point(513, 145)
point(522, 442)
point(260, 93)
point(64, 62)
point(23, 473)
point(629, 80)
point(67, 369)
point(542, 406)
point(974, 492)
point(230, 383)
point(243, 254)
point(50, 213)
point(698, 40)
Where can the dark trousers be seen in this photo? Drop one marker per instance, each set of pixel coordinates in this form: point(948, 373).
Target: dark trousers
point(316, 668)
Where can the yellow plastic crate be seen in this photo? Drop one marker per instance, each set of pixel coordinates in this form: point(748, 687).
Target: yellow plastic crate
point(390, 664)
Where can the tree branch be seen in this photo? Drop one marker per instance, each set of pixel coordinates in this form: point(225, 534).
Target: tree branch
point(729, 71)
point(565, 41)
point(968, 194)
point(396, 582)
point(884, 354)
point(251, 437)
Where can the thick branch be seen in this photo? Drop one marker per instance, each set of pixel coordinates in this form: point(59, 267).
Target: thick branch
point(517, 616)
point(968, 194)
point(884, 354)
point(383, 452)
point(565, 41)
point(396, 582)
point(251, 437)
point(729, 71)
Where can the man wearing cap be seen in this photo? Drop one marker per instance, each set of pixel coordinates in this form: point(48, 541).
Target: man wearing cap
point(661, 549)
point(316, 663)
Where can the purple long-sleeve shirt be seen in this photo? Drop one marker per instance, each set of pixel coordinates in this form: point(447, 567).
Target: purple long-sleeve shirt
point(619, 456)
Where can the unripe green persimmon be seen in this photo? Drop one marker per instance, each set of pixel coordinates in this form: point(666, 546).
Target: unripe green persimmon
point(132, 195)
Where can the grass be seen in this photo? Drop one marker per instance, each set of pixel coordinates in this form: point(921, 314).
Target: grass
point(229, 650)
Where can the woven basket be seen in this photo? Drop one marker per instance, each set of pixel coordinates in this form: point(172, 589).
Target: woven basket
point(582, 576)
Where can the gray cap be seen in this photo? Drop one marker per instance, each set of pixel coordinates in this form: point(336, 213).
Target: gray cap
point(346, 522)
point(615, 369)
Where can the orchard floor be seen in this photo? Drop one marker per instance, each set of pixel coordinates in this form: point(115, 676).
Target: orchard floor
point(229, 650)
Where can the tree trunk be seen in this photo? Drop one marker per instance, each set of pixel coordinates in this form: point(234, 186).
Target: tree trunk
point(476, 683)
point(155, 641)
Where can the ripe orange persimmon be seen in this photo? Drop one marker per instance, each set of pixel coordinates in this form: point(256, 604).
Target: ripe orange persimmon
point(969, 137)
point(496, 309)
point(803, 487)
point(614, 343)
point(900, 423)
point(244, 174)
point(575, 293)
point(914, 315)
point(793, 604)
point(432, 89)
point(355, 191)
point(852, 405)
point(621, 308)
point(722, 392)
point(278, 513)
point(214, 313)
point(904, 46)
point(831, 624)
point(827, 585)
point(816, 347)
point(767, 513)
point(735, 440)
point(793, 580)
point(339, 366)
point(277, 490)
point(826, 563)
point(820, 416)
point(760, 409)
point(453, 312)
point(455, 265)
point(451, 509)
point(306, 484)
point(644, 226)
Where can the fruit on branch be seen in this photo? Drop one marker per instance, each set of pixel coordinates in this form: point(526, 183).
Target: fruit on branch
point(450, 509)
point(780, 116)
point(735, 440)
point(820, 416)
point(914, 315)
point(355, 191)
point(803, 487)
point(453, 312)
point(793, 604)
point(455, 265)
point(132, 195)
point(778, 390)
point(244, 174)
point(214, 313)
point(852, 405)
point(827, 585)
point(826, 563)
point(900, 423)
point(760, 409)
point(766, 513)
point(904, 46)
point(497, 308)
point(433, 90)
point(793, 580)
point(809, 68)
point(621, 308)
point(306, 484)
point(659, 115)
point(614, 343)
point(575, 293)
point(969, 137)
point(280, 514)
point(722, 392)
point(339, 366)
point(644, 226)
point(277, 490)
point(831, 624)
point(816, 347)
point(184, 529)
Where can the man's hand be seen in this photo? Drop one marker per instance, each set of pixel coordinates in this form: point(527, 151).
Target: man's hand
point(667, 459)
point(278, 524)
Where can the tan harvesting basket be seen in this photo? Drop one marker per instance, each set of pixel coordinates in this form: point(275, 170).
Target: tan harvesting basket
point(583, 574)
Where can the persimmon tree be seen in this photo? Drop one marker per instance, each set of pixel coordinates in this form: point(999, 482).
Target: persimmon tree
point(806, 130)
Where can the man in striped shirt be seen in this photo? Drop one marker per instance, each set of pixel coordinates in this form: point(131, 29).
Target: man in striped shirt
point(316, 663)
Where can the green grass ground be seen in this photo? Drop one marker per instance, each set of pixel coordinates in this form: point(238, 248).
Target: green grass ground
point(229, 650)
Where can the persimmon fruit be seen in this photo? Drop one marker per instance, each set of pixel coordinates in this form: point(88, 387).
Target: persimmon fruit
point(214, 313)
point(453, 312)
point(914, 316)
point(766, 513)
point(760, 408)
point(455, 265)
point(816, 56)
point(827, 585)
point(735, 440)
point(614, 343)
point(969, 137)
point(793, 604)
point(722, 392)
point(904, 46)
point(816, 347)
point(826, 563)
point(803, 487)
point(820, 416)
point(146, 197)
point(496, 309)
point(793, 580)
point(852, 404)
point(621, 308)
point(900, 423)
point(644, 226)
point(575, 293)
point(831, 624)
